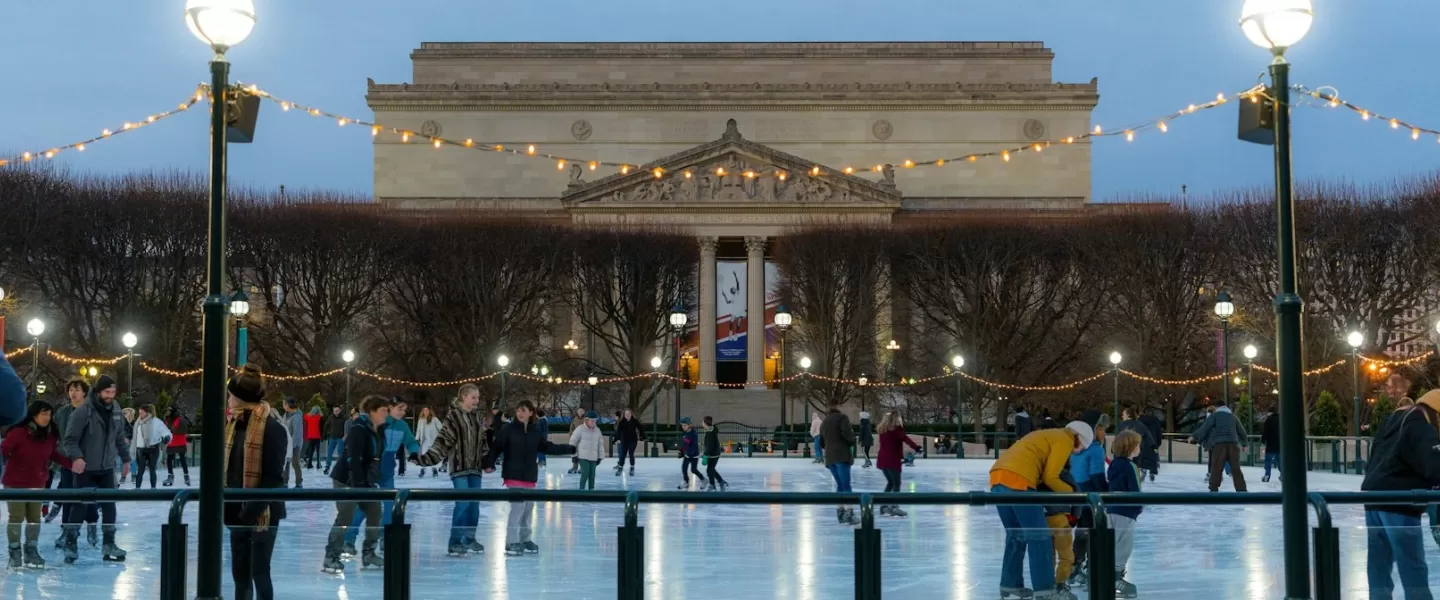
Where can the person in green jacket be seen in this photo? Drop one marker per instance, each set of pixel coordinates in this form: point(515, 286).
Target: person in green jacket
point(397, 433)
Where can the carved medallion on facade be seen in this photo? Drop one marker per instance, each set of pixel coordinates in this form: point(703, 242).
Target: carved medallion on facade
point(882, 130)
point(430, 129)
point(581, 130)
point(1034, 129)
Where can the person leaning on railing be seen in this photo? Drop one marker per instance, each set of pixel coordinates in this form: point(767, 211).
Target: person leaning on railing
point(1036, 459)
point(1405, 456)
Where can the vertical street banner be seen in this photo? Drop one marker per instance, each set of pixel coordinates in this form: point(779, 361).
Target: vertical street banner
point(730, 313)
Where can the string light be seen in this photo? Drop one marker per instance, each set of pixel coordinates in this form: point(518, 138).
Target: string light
point(1205, 379)
point(177, 374)
point(423, 384)
point(1332, 100)
point(79, 146)
point(17, 352)
point(65, 358)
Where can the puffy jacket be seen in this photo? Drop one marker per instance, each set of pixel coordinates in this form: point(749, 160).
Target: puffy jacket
point(295, 426)
point(1406, 453)
point(397, 434)
point(1036, 459)
point(312, 425)
point(335, 426)
point(690, 444)
point(359, 463)
point(1221, 428)
point(12, 394)
point(96, 433)
point(867, 436)
point(28, 457)
point(836, 436)
point(1088, 468)
point(1124, 476)
point(462, 440)
point(274, 454)
point(522, 444)
point(892, 448)
point(589, 443)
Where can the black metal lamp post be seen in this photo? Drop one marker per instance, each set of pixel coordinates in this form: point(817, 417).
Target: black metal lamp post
point(959, 362)
point(1250, 353)
point(1276, 25)
point(678, 319)
point(504, 362)
point(1224, 308)
point(220, 24)
point(35, 328)
point(1355, 339)
point(655, 364)
point(863, 381)
point(349, 357)
point(129, 340)
point(783, 319)
point(1115, 374)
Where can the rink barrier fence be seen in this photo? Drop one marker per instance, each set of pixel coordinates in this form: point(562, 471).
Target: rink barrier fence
point(630, 575)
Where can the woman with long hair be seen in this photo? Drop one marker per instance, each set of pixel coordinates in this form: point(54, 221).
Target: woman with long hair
point(129, 435)
point(29, 448)
point(257, 448)
point(892, 455)
point(427, 430)
point(150, 436)
point(179, 426)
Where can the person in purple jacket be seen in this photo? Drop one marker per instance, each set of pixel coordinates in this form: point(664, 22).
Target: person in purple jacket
point(12, 394)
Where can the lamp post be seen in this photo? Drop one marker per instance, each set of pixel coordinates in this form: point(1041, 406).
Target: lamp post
point(863, 381)
point(958, 362)
point(893, 347)
point(504, 362)
point(1250, 353)
point(129, 340)
point(240, 309)
point(1224, 308)
point(2, 323)
point(349, 357)
point(805, 363)
point(655, 363)
point(1115, 373)
point(1276, 25)
point(593, 381)
point(35, 328)
point(783, 319)
point(678, 319)
point(1355, 339)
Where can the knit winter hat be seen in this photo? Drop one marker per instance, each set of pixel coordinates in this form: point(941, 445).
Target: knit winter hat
point(1084, 431)
point(105, 382)
point(684, 420)
point(592, 415)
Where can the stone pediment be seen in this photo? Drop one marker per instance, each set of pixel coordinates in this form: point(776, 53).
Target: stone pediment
point(733, 172)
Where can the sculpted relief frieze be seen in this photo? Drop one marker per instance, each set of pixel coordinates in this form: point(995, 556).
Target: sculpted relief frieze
point(734, 179)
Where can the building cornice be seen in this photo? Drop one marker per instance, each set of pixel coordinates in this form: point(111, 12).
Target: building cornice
point(730, 50)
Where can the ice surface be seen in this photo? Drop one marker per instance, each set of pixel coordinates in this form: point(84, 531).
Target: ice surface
point(749, 552)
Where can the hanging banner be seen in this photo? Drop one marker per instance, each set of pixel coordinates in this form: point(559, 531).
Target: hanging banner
point(730, 314)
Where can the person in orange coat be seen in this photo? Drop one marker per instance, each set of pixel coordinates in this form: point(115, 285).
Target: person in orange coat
point(1036, 459)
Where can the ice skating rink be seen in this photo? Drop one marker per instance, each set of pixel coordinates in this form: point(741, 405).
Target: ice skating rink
point(746, 552)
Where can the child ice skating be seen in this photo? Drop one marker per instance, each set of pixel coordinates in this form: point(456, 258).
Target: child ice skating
point(1124, 476)
point(520, 442)
point(867, 438)
point(179, 426)
point(1036, 459)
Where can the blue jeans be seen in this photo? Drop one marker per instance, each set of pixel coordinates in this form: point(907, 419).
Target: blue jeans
point(467, 514)
point(841, 472)
point(387, 481)
point(1395, 540)
point(1271, 459)
point(817, 455)
point(1025, 529)
point(331, 447)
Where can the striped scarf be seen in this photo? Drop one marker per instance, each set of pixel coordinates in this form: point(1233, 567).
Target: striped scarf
point(254, 447)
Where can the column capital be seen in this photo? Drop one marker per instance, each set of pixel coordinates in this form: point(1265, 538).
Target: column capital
point(708, 244)
point(755, 244)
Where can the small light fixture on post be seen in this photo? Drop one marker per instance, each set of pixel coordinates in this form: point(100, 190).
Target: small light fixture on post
point(958, 362)
point(1115, 372)
point(130, 340)
point(783, 319)
point(593, 381)
point(893, 347)
point(570, 346)
point(1355, 339)
point(504, 362)
point(240, 309)
point(678, 319)
point(35, 328)
point(863, 381)
point(655, 364)
point(1250, 353)
point(1224, 309)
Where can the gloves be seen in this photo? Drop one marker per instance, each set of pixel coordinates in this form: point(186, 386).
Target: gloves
point(165, 440)
point(1071, 519)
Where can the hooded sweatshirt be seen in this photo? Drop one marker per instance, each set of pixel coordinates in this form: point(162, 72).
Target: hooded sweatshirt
point(96, 433)
point(521, 443)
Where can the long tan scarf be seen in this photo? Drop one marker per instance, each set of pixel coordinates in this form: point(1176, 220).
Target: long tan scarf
point(254, 447)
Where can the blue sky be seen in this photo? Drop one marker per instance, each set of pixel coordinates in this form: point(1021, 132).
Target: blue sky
point(73, 67)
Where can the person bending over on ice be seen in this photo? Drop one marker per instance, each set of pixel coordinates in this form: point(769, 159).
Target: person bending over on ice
point(359, 467)
point(520, 441)
point(1225, 436)
point(1036, 459)
point(257, 448)
point(1405, 456)
point(589, 443)
point(463, 441)
point(95, 438)
point(29, 448)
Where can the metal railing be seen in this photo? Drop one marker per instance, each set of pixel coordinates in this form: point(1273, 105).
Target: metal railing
point(630, 536)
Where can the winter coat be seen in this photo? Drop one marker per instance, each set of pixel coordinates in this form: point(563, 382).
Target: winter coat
point(1157, 429)
point(27, 459)
point(867, 437)
point(1023, 424)
point(274, 454)
point(12, 394)
point(629, 431)
point(1270, 434)
point(96, 433)
point(836, 436)
point(397, 434)
point(690, 444)
point(359, 463)
point(295, 426)
point(150, 432)
point(1221, 428)
point(712, 442)
point(426, 432)
point(1406, 453)
point(1088, 468)
point(179, 430)
point(1036, 459)
point(522, 445)
point(462, 440)
point(815, 424)
point(313, 423)
point(1124, 476)
point(1149, 458)
point(892, 448)
point(1059, 509)
point(129, 431)
point(336, 426)
point(61, 417)
point(589, 443)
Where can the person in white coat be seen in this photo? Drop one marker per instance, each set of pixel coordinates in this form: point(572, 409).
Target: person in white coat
point(589, 443)
point(151, 436)
point(815, 422)
point(427, 430)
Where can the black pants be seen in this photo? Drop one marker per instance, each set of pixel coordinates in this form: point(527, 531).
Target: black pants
point(867, 452)
point(400, 460)
point(1083, 523)
point(311, 453)
point(344, 515)
point(627, 449)
point(146, 458)
point(688, 465)
point(711, 472)
point(250, 553)
point(173, 454)
point(892, 479)
point(104, 480)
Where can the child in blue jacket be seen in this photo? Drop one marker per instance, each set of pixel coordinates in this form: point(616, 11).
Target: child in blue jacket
point(1124, 476)
point(689, 454)
point(1088, 469)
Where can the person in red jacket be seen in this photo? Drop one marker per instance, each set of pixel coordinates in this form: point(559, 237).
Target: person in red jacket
point(179, 426)
point(29, 448)
point(313, 439)
point(891, 455)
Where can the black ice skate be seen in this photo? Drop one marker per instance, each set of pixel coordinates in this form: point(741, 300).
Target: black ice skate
point(474, 546)
point(1062, 592)
point(619, 469)
point(846, 516)
point(370, 560)
point(32, 557)
point(1080, 576)
point(348, 550)
point(632, 471)
point(1124, 589)
point(92, 535)
point(53, 514)
point(724, 486)
point(530, 547)
point(169, 480)
point(866, 465)
point(514, 549)
point(332, 565)
point(71, 540)
point(893, 511)
point(187, 480)
point(1018, 592)
point(16, 561)
point(1265, 479)
point(112, 553)
point(456, 550)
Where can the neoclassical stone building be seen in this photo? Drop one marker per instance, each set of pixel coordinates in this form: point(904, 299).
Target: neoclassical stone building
point(737, 142)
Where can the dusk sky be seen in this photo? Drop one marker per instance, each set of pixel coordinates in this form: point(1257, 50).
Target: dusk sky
point(74, 67)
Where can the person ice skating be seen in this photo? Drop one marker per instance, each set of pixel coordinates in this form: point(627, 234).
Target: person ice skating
point(257, 449)
point(1088, 470)
point(1225, 436)
point(520, 442)
point(427, 430)
point(815, 421)
point(151, 435)
point(463, 441)
point(1270, 435)
point(1036, 459)
point(1405, 456)
point(1023, 424)
point(689, 454)
point(12, 394)
point(129, 414)
point(29, 449)
point(76, 391)
point(359, 467)
point(1061, 521)
point(1157, 432)
point(589, 443)
point(179, 426)
point(1149, 444)
point(398, 438)
point(712, 455)
point(1124, 476)
point(867, 437)
point(630, 434)
point(95, 437)
point(335, 427)
point(544, 425)
point(889, 458)
point(314, 437)
point(294, 421)
point(836, 438)
point(576, 421)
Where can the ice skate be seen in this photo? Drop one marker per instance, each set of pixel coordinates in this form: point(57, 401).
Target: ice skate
point(514, 549)
point(619, 469)
point(1125, 589)
point(456, 550)
point(32, 557)
point(112, 553)
point(370, 560)
point(123, 479)
point(422, 473)
point(72, 552)
point(348, 550)
point(52, 515)
point(1265, 479)
point(187, 480)
point(1062, 592)
point(15, 561)
point(332, 565)
point(1080, 576)
point(866, 465)
point(1018, 592)
point(60, 541)
point(632, 470)
point(530, 547)
point(169, 480)
point(92, 535)
point(474, 546)
point(710, 488)
point(846, 516)
point(724, 486)
point(894, 512)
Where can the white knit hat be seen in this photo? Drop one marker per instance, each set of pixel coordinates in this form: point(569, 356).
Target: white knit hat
point(1082, 430)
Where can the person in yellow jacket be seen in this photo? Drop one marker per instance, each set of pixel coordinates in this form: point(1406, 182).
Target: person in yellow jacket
point(1037, 459)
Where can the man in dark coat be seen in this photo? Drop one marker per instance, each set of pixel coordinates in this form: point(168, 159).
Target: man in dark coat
point(1023, 424)
point(1270, 435)
point(1157, 430)
point(1405, 456)
point(1149, 458)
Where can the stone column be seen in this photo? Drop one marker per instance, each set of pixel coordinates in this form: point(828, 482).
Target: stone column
point(755, 308)
point(707, 310)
